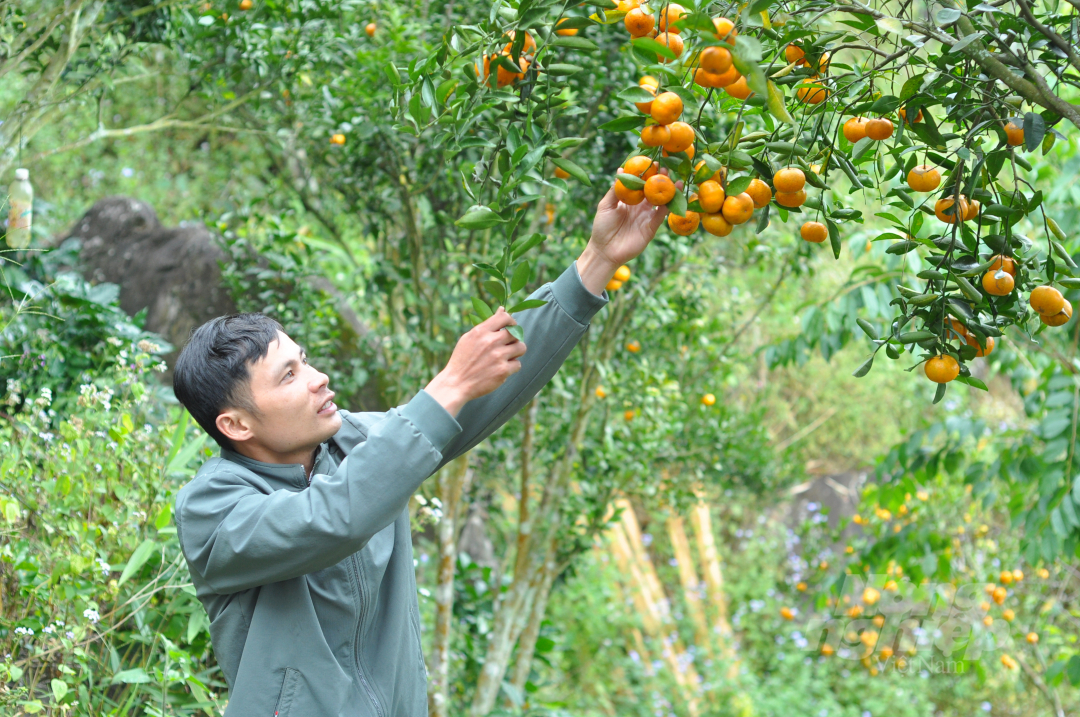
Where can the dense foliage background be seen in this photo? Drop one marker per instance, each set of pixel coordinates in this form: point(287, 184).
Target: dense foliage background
point(645, 553)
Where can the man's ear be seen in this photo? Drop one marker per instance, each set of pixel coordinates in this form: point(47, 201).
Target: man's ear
point(235, 424)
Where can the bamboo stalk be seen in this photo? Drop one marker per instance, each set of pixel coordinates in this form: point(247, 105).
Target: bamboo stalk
point(714, 581)
point(691, 584)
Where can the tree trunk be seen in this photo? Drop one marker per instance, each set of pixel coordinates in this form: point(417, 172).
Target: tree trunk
point(453, 483)
point(527, 642)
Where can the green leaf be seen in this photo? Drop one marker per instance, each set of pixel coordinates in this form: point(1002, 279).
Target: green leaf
point(137, 560)
point(834, 237)
point(562, 69)
point(738, 186)
point(940, 393)
point(1034, 129)
point(576, 43)
point(479, 217)
point(177, 441)
point(677, 205)
point(947, 16)
point(496, 289)
point(624, 123)
point(910, 337)
point(775, 102)
point(490, 270)
point(164, 516)
point(59, 689)
point(867, 328)
point(972, 381)
point(630, 181)
point(635, 94)
point(517, 332)
point(574, 169)
point(864, 368)
point(135, 676)
point(526, 305)
point(181, 459)
point(521, 277)
point(521, 246)
point(889, 24)
point(484, 311)
point(650, 45)
point(1073, 670)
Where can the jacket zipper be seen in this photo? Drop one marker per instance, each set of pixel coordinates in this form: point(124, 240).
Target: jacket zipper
point(356, 642)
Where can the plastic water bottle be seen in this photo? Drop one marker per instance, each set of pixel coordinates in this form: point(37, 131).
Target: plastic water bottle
point(21, 198)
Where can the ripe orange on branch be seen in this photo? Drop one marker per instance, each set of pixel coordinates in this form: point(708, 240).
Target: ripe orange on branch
point(655, 135)
point(711, 196)
point(639, 23)
point(760, 193)
point(640, 166)
point(566, 31)
point(725, 30)
point(627, 195)
point(945, 203)
point(682, 136)
point(789, 179)
point(941, 369)
point(369, 29)
point(646, 107)
point(879, 128)
point(1005, 263)
point(671, 41)
point(791, 199)
point(659, 190)
point(670, 14)
point(1046, 300)
point(1058, 319)
point(739, 89)
point(855, 129)
point(998, 283)
point(1014, 132)
point(924, 178)
point(815, 232)
point(666, 108)
point(812, 92)
point(739, 208)
point(715, 60)
point(794, 53)
point(716, 225)
point(684, 226)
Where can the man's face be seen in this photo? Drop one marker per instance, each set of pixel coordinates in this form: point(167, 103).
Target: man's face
point(296, 411)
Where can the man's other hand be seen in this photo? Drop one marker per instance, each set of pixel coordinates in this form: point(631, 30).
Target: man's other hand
point(482, 360)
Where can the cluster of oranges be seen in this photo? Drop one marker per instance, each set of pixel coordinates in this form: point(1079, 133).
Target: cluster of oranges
point(503, 76)
point(1053, 308)
point(877, 129)
point(810, 91)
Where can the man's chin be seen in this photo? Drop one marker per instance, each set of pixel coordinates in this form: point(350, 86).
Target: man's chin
point(329, 425)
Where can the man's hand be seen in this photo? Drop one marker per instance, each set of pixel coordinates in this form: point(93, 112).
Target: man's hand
point(482, 360)
point(620, 232)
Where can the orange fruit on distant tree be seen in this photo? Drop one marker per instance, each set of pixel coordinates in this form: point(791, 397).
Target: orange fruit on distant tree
point(879, 128)
point(666, 108)
point(791, 199)
point(1032, 637)
point(979, 349)
point(561, 173)
point(941, 369)
point(812, 92)
point(1046, 300)
point(786, 613)
point(628, 196)
point(671, 41)
point(739, 89)
point(655, 135)
point(684, 226)
point(725, 30)
point(998, 283)
point(640, 166)
point(999, 594)
point(708, 399)
point(739, 208)
point(924, 178)
point(670, 14)
point(649, 81)
point(711, 196)
point(855, 129)
point(338, 139)
point(789, 179)
point(613, 285)
point(370, 29)
point(565, 32)
point(600, 392)
point(1059, 319)
point(815, 232)
point(903, 115)
point(623, 273)
point(638, 22)
point(628, 415)
point(646, 107)
point(246, 4)
point(1014, 132)
point(659, 190)
point(716, 225)
point(794, 53)
point(941, 205)
point(759, 192)
point(682, 136)
point(633, 346)
point(1008, 615)
point(715, 60)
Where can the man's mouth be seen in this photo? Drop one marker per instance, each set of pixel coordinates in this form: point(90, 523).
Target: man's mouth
point(328, 407)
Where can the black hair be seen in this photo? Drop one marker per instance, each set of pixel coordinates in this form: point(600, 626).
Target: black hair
point(211, 373)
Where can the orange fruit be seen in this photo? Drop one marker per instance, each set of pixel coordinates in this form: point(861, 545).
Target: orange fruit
point(338, 139)
point(1046, 300)
point(638, 22)
point(791, 199)
point(671, 41)
point(812, 92)
point(759, 192)
point(903, 115)
point(998, 283)
point(999, 595)
point(706, 79)
point(1017, 575)
point(634, 346)
point(623, 273)
point(786, 613)
point(945, 203)
point(959, 328)
point(628, 5)
point(1032, 637)
point(527, 48)
point(628, 415)
point(715, 60)
point(670, 14)
point(646, 107)
point(1014, 132)
point(684, 226)
point(815, 232)
point(924, 178)
point(640, 166)
point(600, 392)
point(1008, 615)
point(369, 29)
point(739, 208)
point(247, 4)
point(666, 108)
point(879, 128)
point(682, 136)
point(711, 196)
point(1059, 319)
point(794, 53)
point(659, 189)
point(979, 350)
point(718, 176)
point(725, 30)
point(689, 152)
point(739, 89)
point(649, 81)
point(708, 399)
point(613, 285)
point(1009, 662)
point(823, 63)
point(726, 78)
point(972, 210)
point(655, 135)
point(855, 129)
point(628, 196)
point(941, 369)
point(789, 179)
point(561, 173)
point(565, 32)
point(716, 225)
point(505, 77)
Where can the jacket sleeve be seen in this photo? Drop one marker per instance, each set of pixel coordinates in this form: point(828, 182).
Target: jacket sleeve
point(551, 332)
point(237, 537)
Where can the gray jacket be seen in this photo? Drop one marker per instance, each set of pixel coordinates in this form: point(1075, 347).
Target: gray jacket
point(310, 588)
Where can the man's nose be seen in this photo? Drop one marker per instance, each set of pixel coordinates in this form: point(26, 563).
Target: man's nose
point(319, 381)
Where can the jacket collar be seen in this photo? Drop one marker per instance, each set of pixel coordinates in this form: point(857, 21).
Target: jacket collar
point(290, 473)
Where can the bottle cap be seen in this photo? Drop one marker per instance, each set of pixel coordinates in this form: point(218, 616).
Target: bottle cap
point(22, 175)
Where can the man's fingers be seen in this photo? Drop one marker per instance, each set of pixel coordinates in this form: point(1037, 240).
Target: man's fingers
point(499, 320)
point(609, 201)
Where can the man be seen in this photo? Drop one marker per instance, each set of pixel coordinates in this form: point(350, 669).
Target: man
point(297, 536)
